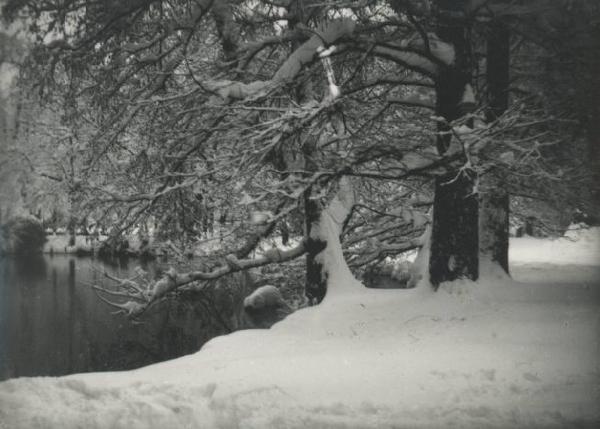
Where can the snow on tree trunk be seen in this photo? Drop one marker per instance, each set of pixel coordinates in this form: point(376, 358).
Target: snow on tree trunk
point(493, 230)
point(334, 272)
point(316, 243)
point(454, 240)
point(419, 271)
point(316, 281)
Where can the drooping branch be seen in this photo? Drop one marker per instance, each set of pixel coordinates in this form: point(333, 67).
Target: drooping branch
point(143, 295)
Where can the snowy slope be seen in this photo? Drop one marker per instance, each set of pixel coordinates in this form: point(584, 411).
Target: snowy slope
point(493, 354)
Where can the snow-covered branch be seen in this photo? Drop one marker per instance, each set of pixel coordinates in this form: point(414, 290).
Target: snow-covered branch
point(328, 34)
point(140, 296)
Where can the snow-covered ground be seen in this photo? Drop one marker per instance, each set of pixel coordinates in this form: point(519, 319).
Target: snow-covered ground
point(492, 354)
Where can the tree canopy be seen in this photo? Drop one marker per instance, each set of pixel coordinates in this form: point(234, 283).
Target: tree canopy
point(188, 114)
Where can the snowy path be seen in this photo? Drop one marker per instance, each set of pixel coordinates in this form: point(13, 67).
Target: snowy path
point(495, 354)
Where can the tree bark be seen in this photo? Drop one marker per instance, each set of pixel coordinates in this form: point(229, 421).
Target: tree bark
point(454, 238)
point(454, 242)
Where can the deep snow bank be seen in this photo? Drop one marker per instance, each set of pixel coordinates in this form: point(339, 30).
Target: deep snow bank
point(494, 354)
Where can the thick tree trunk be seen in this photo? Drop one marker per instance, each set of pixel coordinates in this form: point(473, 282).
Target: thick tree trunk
point(494, 200)
point(454, 238)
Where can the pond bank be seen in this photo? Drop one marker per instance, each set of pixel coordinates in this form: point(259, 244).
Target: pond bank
point(87, 245)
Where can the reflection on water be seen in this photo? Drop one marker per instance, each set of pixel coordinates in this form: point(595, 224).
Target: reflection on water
point(52, 323)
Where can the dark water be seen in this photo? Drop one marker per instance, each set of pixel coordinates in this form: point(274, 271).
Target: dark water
point(52, 323)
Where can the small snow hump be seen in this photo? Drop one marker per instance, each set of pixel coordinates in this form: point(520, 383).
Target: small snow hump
point(264, 296)
point(265, 306)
